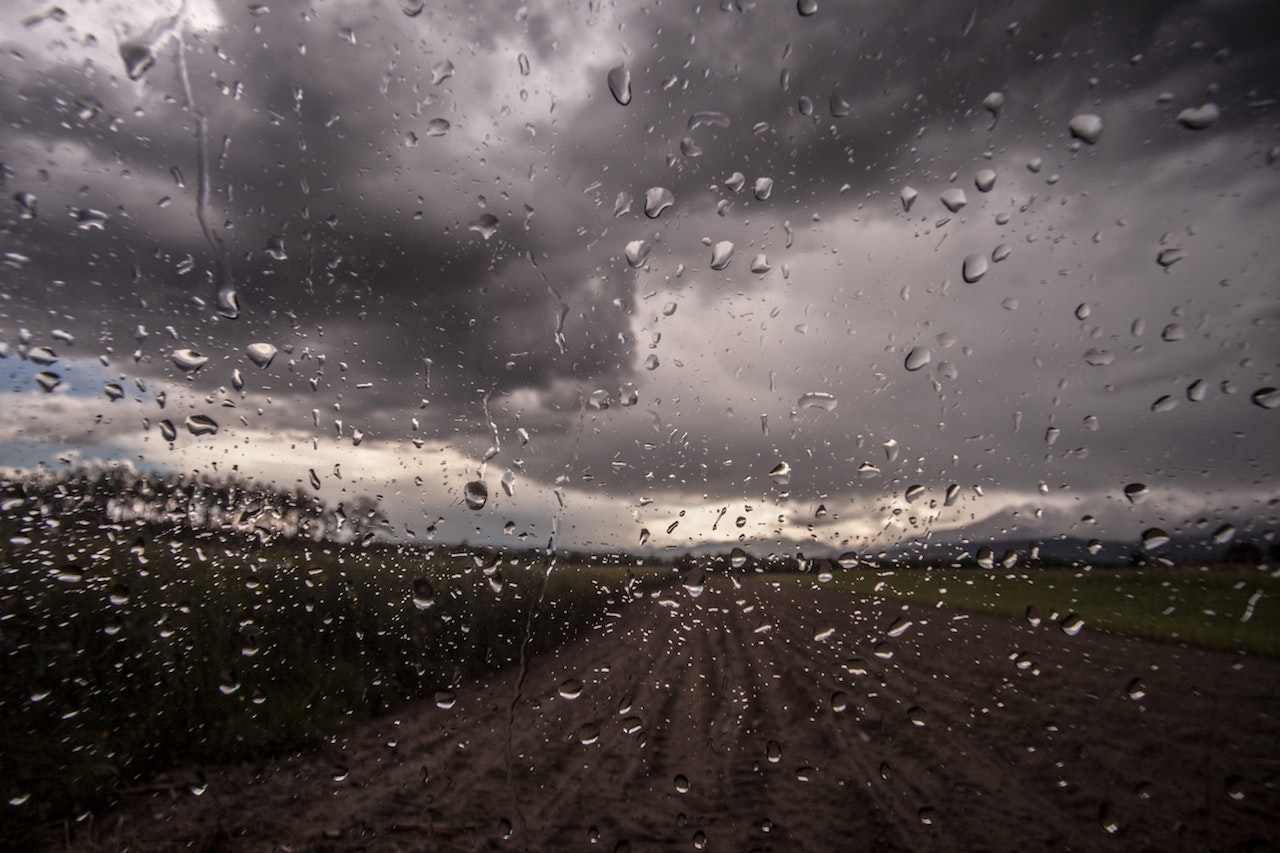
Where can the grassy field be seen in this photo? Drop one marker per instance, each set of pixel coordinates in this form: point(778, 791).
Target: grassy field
point(126, 652)
point(1230, 608)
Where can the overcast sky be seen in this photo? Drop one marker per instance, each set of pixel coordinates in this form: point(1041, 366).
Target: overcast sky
point(428, 212)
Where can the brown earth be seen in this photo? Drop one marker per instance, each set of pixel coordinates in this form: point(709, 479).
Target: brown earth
point(978, 733)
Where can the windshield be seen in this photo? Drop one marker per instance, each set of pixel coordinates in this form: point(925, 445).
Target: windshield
point(549, 425)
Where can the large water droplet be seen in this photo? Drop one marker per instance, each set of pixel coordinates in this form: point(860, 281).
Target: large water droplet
point(1267, 398)
point(806, 7)
point(993, 103)
point(818, 400)
point(837, 105)
point(1224, 534)
point(721, 254)
point(261, 354)
point(570, 688)
point(954, 198)
point(1201, 117)
point(441, 71)
point(201, 425)
point(656, 200)
point(1168, 257)
point(620, 84)
point(737, 558)
point(476, 494)
point(781, 474)
point(908, 197)
point(188, 360)
point(914, 493)
point(763, 188)
point(486, 225)
point(26, 205)
point(918, 358)
point(1136, 493)
point(1098, 357)
point(848, 560)
point(974, 268)
point(438, 127)
point(167, 430)
point(708, 118)
point(637, 251)
point(48, 380)
point(985, 180)
point(1086, 127)
point(137, 57)
point(760, 264)
point(1154, 537)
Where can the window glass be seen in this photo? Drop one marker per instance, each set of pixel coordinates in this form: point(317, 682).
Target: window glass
point(628, 426)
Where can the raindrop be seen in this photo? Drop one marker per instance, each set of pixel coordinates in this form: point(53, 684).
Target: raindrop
point(763, 188)
point(954, 199)
point(1235, 788)
point(918, 358)
point(781, 474)
point(695, 582)
point(261, 354)
point(867, 471)
point(837, 106)
point(927, 815)
point(167, 430)
point(275, 248)
point(1136, 689)
point(1071, 624)
point(588, 733)
point(644, 536)
point(1201, 117)
point(709, 118)
point(1086, 127)
point(1224, 534)
point(1098, 357)
point(438, 127)
point(737, 558)
point(656, 200)
point(993, 103)
point(773, 752)
point(622, 204)
point(48, 380)
point(839, 701)
point(721, 254)
point(1051, 435)
point(818, 400)
point(1165, 403)
point(201, 425)
point(446, 699)
point(1168, 257)
point(1267, 398)
point(26, 205)
point(1033, 615)
point(188, 360)
point(1000, 252)
point(620, 84)
point(475, 494)
point(682, 784)
point(1035, 164)
point(760, 264)
point(1173, 332)
point(137, 57)
point(1153, 538)
point(424, 594)
point(917, 715)
point(1136, 493)
point(908, 197)
point(486, 225)
point(806, 7)
point(1197, 390)
point(523, 61)
point(914, 493)
point(42, 356)
point(952, 495)
point(847, 560)
point(637, 251)
point(985, 180)
point(975, 267)
point(441, 71)
point(113, 391)
point(900, 626)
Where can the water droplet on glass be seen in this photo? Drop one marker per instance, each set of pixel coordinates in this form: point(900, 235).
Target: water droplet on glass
point(837, 105)
point(201, 425)
point(806, 7)
point(486, 225)
point(1201, 117)
point(1136, 689)
point(438, 127)
point(993, 103)
point(1107, 820)
point(1154, 537)
point(736, 182)
point(918, 358)
point(48, 380)
point(707, 118)
point(1197, 390)
point(763, 188)
point(721, 254)
point(1224, 534)
point(113, 391)
point(26, 205)
point(818, 400)
point(188, 360)
point(914, 493)
point(975, 267)
point(695, 582)
point(1165, 403)
point(622, 204)
point(985, 180)
point(1267, 398)
point(737, 558)
point(656, 200)
point(523, 61)
point(261, 354)
point(637, 251)
point(620, 84)
point(1032, 615)
point(475, 494)
point(441, 71)
point(1235, 788)
point(927, 815)
point(446, 699)
point(908, 197)
point(1168, 257)
point(917, 715)
point(43, 356)
point(137, 57)
point(781, 474)
point(954, 198)
point(1098, 357)
point(1051, 435)
point(1000, 252)
point(682, 784)
point(167, 430)
point(1086, 127)
point(1136, 493)
point(1071, 624)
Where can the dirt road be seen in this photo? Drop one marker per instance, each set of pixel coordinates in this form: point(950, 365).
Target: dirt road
point(780, 718)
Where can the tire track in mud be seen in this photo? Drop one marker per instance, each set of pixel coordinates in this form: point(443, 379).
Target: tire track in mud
point(976, 733)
